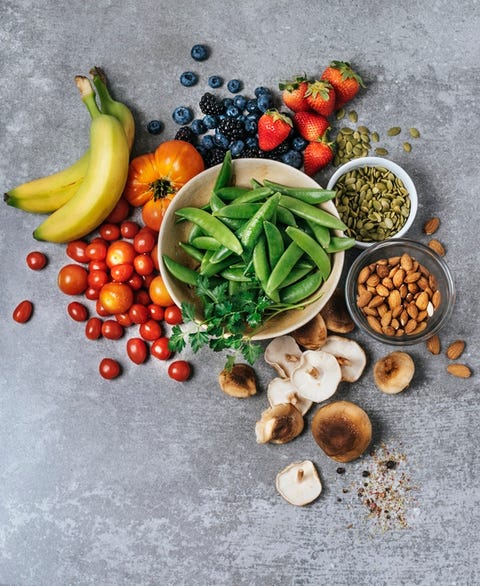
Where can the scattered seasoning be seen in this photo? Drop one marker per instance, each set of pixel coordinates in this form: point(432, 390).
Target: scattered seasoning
point(388, 492)
point(340, 470)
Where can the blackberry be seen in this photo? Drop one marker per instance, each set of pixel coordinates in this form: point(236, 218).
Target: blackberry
point(209, 104)
point(186, 134)
point(232, 128)
point(251, 153)
point(214, 156)
point(277, 153)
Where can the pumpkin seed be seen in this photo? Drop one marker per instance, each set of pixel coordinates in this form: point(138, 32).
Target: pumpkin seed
point(381, 151)
point(340, 113)
point(374, 136)
point(353, 116)
point(394, 131)
point(407, 147)
point(414, 133)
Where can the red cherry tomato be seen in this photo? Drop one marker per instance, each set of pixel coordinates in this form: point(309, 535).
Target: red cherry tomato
point(145, 240)
point(119, 253)
point(109, 368)
point(72, 279)
point(138, 313)
point(120, 212)
point(23, 312)
point(97, 279)
point(156, 311)
point(93, 328)
point(135, 282)
point(97, 250)
point(124, 319)
point(160, 349)
point(173, 315)
point(91, 293)
point(77, 250)
point(36, 260)
point(112, 330)
point(143, 264)
point(77, 311)
point(116, 297)
point(121, 273)
point(141, 296)
point(129, 229)
point(109, 231)
point(150, 330)
point(179, 370)
point(137, 350)
point(154, 255)
point(98, 265)
point(100, 309)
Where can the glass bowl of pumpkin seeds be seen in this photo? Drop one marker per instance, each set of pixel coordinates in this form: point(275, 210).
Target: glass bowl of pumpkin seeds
point(375, 198)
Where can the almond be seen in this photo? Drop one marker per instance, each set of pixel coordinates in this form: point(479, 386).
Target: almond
point(363, 298)
point(436, 299)
point(431, 225)
point(460, 370)
point(422, 301)
point(398, 278)
point(437, 246)
point(455, 349)
point(433, 344)
point(394, 299)
point(374, 324)
point(363, 275)
point(406, 262)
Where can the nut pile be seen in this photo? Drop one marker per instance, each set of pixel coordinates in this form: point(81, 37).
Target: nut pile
point(397, 295)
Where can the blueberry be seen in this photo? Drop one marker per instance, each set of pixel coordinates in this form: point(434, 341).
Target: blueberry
point(155, 127)
point(207, 141)
point(240, 102)
point(234, 86)
point(210, 121)
point(292, 158)
point(201, 149)
point(199, 52)
point(236, 147)
point(299, 143)
point(198, 126)
point(215, 81)
point(252, 105)
point(251, 126)
point(188, 78)
point(232, 111)
point(251, 142)
point(221, 140)
point(182, 115)
point(261, 90)
point(227, 102)
point(264, 102)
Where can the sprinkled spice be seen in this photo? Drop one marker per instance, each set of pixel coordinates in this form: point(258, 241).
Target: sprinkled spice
point(340, 470)
point(386, 489)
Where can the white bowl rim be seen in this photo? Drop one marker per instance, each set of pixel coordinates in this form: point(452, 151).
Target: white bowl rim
point(394, 168)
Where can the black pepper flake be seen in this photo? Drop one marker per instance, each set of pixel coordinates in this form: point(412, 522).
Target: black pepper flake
point(391, 464)
point(365, 473)
point(340, 470)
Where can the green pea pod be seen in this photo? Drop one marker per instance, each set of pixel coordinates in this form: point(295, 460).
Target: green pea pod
point(295, 275)
point(285, 216)
point(302, 289)
point(261, 266)
point(255, 183)
point(194, 232)
point(210, 269)
point(322, 233)
point(192, 251)
point(212, 227)
point(241, 211)
point(254, 226)
point(313, 195)
point(205, 243)
point(285, 264)
point(235, 274)
point(225, 174)
point(231, 192)
point(180, 272)
point(275, 244)
point(311, 212)
point(339, 243)
point(312, 248)
point(215, 202)
point(220, 254)
point(257, 194)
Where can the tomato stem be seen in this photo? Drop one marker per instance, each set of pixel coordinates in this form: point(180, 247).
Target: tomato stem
point(161, 188)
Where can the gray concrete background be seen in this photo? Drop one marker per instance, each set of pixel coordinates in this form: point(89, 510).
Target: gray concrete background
point(145, 481)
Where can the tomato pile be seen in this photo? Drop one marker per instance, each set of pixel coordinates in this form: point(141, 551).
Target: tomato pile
point(118, 270)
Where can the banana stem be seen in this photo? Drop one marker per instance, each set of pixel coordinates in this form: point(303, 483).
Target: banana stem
point(87, 94)
point(100, 82)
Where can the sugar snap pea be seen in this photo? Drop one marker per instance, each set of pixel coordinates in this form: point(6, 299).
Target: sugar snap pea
point(205, 243)
point(338, 243)
point(225, 174)
point(302, 289)
point(254, 226)
point(321, 233)
point(275, 244)
point(241, 211)
point(295, 275)
point(192, 251)
point(179, 271)
point(231, 192)
point(285, 264)
point(235, 274)
point(313, 249)
point(313, 195)
point(311, 212)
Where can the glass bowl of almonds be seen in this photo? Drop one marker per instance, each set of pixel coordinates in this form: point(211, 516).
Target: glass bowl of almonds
point(375, 198)
point(399, 291)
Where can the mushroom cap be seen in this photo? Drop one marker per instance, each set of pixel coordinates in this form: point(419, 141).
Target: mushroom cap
point(393, 373)
point(313, 334)
point(317, 375)
point(342, 429)
point(239, 381)
point(299, 483)
point(281, 390)
point(349, 354)
point(335, 313)
point(279, 424)
point(283, 353)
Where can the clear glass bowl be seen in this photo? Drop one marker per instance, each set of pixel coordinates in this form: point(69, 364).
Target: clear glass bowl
point(426, 257)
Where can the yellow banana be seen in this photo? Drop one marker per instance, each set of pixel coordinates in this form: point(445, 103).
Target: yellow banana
point(102, 185)
point(47, 194)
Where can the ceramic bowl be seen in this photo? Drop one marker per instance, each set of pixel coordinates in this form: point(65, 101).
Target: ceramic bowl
point(398, 172)
point(196, 193)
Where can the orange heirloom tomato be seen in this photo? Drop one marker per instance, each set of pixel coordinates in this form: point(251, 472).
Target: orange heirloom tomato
point(159, 293)
point(160, 174)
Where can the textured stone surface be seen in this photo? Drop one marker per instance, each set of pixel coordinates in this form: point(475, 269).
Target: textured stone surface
point(145, 481)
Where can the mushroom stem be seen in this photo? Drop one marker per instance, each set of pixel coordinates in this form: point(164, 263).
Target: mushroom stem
point(300, 475)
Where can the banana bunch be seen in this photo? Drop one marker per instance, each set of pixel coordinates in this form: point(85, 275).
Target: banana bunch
point(81, 196)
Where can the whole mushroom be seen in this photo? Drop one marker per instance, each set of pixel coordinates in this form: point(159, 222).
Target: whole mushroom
point(279, 424)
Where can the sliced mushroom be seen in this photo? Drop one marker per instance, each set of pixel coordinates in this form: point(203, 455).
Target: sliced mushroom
point(317, 375)
point(349, 354)
point(392, 373)
point(279, 424)
point(342, 429)
point(238, 381)
point(335, 313)
point(313, 334)
point(299, 483)
point(284, 354)
point(281, 390)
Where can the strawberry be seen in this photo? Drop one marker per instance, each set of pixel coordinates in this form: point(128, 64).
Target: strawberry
point(273, 128)
point(317, 155)
point(320, 96)
point(345, 81)
point(293, 93)
point(310, 125)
